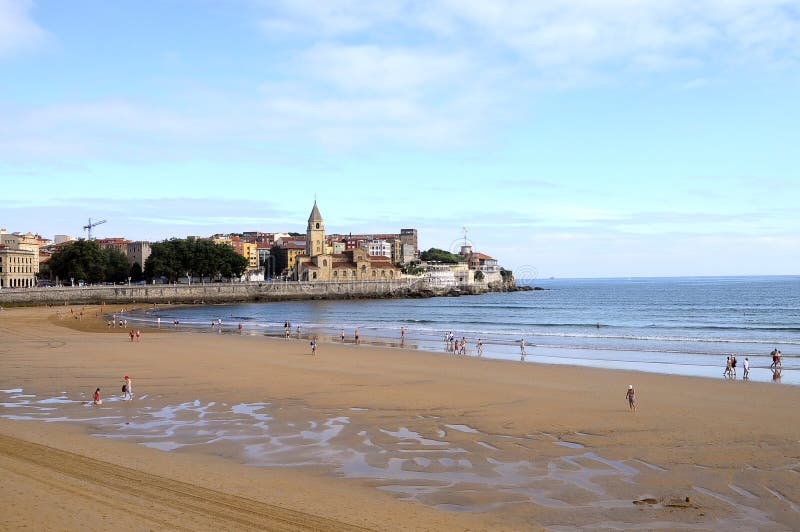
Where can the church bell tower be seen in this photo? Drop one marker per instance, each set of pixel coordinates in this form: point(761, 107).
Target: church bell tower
point(315, 233)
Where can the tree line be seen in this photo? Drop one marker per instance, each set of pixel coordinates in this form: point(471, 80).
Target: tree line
point(176, 258)
point(85, 260)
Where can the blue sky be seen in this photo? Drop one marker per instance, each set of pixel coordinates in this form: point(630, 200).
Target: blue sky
point(571, 139)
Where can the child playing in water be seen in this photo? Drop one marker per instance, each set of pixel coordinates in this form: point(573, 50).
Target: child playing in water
point(96, 399)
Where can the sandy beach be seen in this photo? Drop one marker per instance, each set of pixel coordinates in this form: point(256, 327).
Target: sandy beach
point(243, 432)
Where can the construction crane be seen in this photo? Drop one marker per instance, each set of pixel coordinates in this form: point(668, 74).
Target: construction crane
point(91, 224)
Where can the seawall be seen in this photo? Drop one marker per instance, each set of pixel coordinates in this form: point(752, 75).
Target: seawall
point(232, 292)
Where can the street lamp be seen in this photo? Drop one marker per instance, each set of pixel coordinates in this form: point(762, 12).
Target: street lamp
point(72, 281)
point(129, 281)
point(188, 277)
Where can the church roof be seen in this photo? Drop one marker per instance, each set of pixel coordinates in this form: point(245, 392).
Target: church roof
point(315, 215)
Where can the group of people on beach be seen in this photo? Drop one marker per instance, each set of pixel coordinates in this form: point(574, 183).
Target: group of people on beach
point(730, 366)
point(127, 392)
point(454, 345)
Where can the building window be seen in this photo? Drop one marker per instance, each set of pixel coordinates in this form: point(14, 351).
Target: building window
point(314, 275)
point(373, 273)
point(324, 262)
point(317, 225)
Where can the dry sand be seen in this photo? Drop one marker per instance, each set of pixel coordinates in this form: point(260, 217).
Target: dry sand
point(371, 437)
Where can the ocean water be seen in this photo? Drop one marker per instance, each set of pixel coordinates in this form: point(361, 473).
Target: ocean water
point(668, 325)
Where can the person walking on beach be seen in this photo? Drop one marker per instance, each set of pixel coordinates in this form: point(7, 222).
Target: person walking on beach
point(728, 368)
point(314, 346)
point(132, 334)
point(96, 398)
point(127, 392)
point(138, 335)
point(479, 347)
point(733, 366)
point(522, 350)
point(631, 396)
point(463, 350)
point(341, 335)
point(402, 333)
point(776, 358)
point(746, 365)
point(355, 334)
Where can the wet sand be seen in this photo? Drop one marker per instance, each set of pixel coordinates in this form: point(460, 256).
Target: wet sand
point(233, 432)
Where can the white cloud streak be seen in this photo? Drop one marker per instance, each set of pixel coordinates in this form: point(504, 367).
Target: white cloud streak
point(18, 31)
point(427, 74)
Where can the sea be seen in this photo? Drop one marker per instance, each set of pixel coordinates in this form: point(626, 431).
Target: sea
point(686, 325)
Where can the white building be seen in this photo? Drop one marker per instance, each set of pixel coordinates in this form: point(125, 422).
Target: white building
point(439, 276)
point(377, 248)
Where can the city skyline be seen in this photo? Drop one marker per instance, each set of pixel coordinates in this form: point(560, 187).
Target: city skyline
point(613, 140)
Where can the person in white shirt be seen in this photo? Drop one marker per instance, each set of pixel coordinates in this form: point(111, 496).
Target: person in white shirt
point(746, 364)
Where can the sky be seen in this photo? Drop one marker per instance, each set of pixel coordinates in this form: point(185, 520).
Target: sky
point(595, 138)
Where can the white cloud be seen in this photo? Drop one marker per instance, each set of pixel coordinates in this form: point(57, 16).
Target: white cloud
point(566, 33)
point(362, 70)
point(18, 31)
point(383, 69)
point(432, 74)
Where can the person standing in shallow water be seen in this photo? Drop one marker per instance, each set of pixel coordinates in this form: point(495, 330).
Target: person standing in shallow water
point(127, 391)
point(96, 398)
point(631, 396)
point(522, 350)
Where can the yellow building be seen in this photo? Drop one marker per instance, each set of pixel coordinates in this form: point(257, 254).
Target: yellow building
point(19, 259)
point(250, 252)
point(318, 264)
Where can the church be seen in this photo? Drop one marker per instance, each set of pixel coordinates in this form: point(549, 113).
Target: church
point(318, 263)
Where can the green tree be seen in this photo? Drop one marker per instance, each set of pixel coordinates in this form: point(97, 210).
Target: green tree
point(81, 260)
point(412, 268)
point(440, 255)
point(116, 265)
point(175, 258)
point(135, 272)
point(479, 275)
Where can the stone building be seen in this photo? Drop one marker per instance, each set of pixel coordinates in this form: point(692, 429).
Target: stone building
point(318, 264)
point(138, 252)
point(19, 259)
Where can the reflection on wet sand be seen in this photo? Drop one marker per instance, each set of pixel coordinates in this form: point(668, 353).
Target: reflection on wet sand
point(453, 467)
